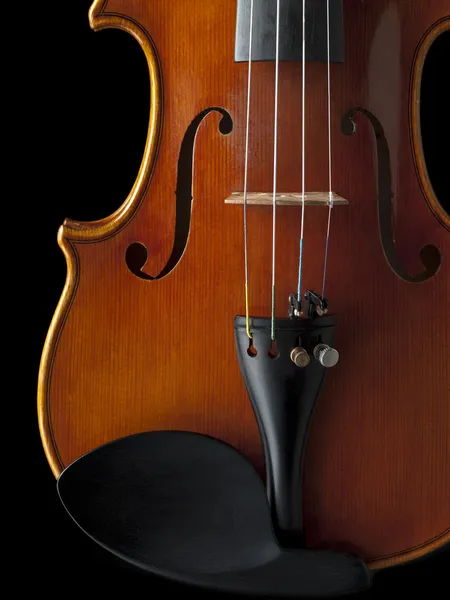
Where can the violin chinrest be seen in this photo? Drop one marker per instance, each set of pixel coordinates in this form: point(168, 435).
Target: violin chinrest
point(194, 510)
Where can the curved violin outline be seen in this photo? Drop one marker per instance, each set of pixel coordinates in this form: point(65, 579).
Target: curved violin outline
point(430, 255)
point(93, 231)
point(105, 228)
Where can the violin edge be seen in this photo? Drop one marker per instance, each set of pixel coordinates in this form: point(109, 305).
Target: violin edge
point(49, 352)
point(429, 37)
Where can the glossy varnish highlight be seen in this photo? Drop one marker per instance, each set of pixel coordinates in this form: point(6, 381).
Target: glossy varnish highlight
point(125, 354)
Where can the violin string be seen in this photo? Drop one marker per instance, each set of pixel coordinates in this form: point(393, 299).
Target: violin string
point(275, 152)
point(300, 263)
point(247, 135)
point(330, 193)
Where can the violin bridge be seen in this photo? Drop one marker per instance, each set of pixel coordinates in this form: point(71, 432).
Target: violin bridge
point(286, 199)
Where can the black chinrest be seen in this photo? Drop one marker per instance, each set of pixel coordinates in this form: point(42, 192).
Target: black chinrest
point(193, 509)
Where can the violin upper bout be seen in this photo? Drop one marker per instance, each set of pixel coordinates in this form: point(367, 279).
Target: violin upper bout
point(104, 228)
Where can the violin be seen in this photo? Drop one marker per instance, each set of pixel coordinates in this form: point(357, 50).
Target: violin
point(284, 187)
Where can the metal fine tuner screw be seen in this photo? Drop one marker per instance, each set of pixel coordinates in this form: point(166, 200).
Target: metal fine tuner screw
point(328, 357)
point(300, 357)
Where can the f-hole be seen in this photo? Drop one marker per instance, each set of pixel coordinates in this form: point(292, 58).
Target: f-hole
point(430, 255)
point(136, 255)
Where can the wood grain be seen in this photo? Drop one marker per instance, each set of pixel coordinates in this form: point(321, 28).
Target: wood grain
point(125, 355)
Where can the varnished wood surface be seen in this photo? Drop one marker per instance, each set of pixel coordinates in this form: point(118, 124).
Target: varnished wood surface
point(126, 355)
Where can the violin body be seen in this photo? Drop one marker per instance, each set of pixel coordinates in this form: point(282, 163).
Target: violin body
point(142, 338)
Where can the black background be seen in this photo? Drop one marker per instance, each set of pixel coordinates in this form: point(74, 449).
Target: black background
point(89, 99)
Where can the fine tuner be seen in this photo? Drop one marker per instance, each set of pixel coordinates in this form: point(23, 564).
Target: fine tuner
point(327, 356)
point(317, 306)
point(300, 357)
